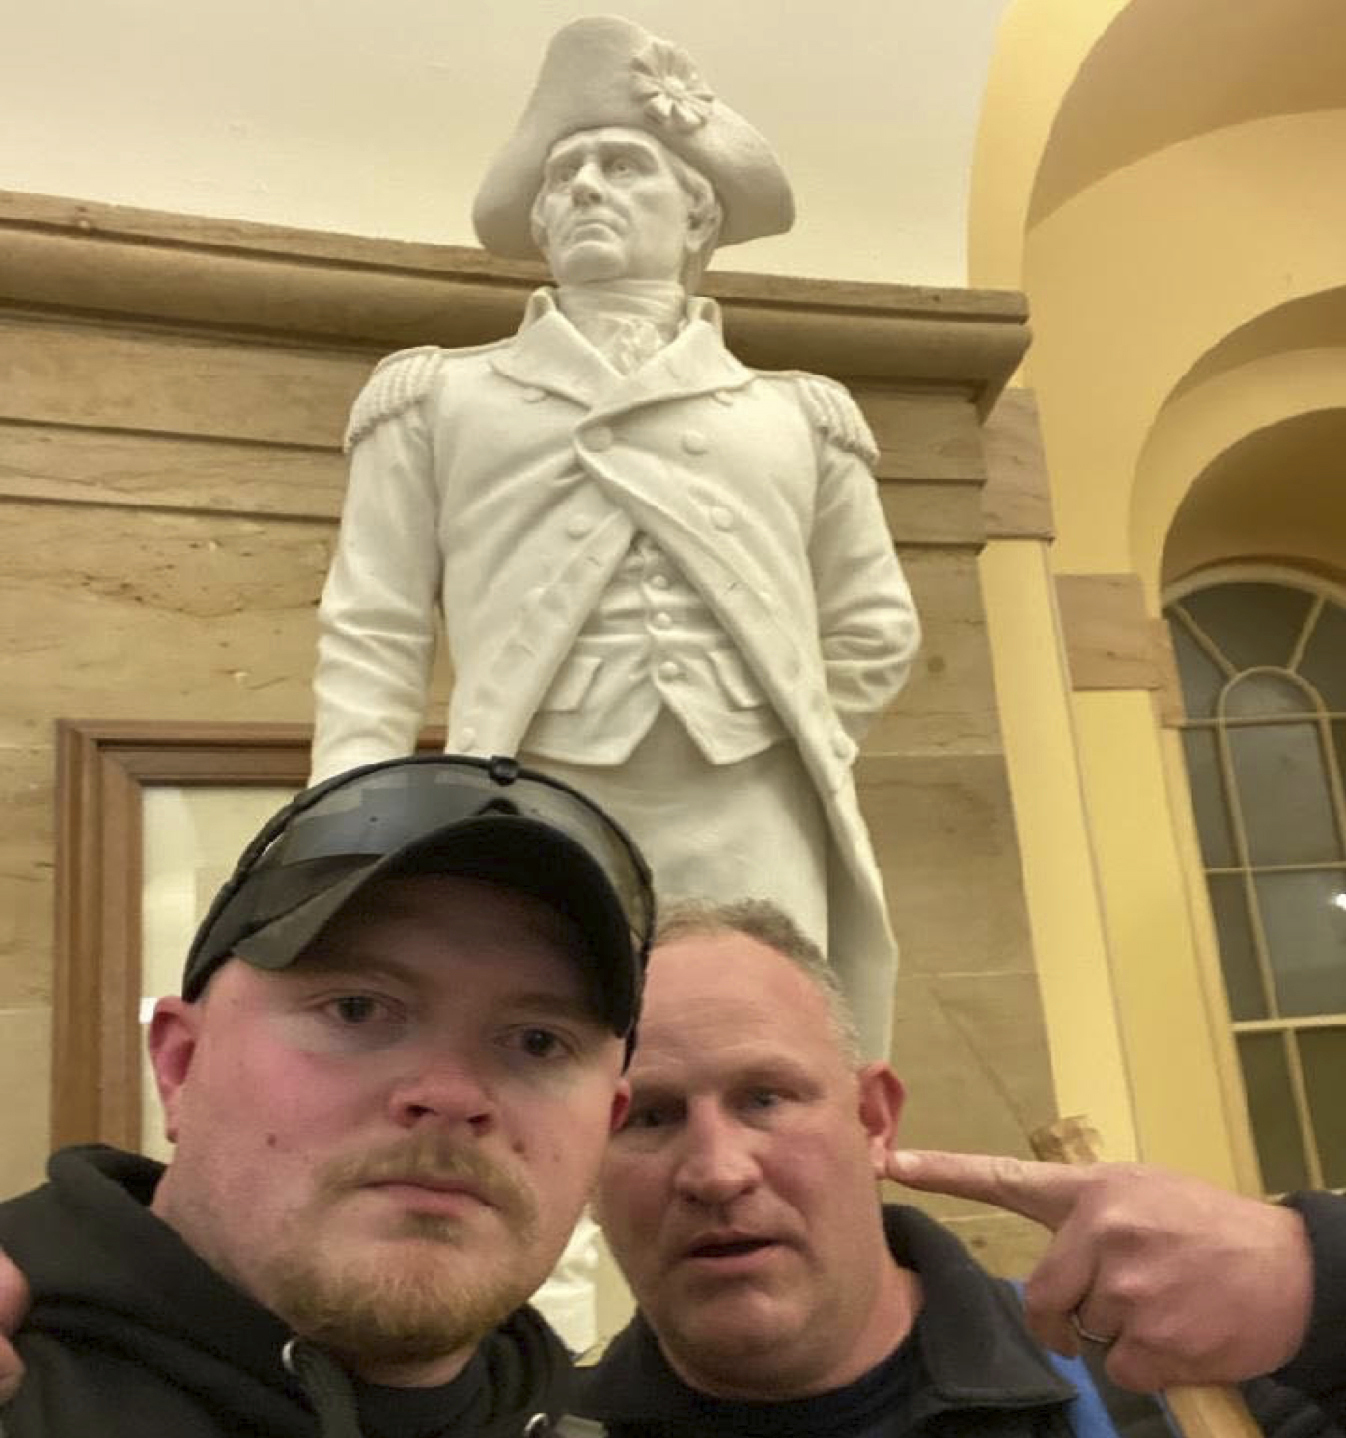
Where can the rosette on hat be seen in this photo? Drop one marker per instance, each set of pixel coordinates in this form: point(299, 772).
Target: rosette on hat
point(607, 71)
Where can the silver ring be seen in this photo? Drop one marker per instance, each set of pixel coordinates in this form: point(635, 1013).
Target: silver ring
point(1082, 1332)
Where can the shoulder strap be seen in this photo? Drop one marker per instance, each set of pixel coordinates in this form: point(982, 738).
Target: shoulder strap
point(833, 410)
point(397, 383)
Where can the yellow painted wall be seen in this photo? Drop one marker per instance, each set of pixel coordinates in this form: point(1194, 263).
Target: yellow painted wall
point(1175, 1072)
point(1039, 49)
point(1200, 425)
point(1171, 225)
point(1134, 280)
point(1061, 881)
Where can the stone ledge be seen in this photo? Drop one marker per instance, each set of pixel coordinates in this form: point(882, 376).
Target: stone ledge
point(75, 257)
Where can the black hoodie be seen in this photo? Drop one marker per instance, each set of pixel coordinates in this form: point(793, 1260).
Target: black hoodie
point(131, 1333)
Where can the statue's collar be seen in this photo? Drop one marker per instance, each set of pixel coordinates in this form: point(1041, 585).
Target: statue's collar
point(549, 353)
point(690, 307)
point(594, 309)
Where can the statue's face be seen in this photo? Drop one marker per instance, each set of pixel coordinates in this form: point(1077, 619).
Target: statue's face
point(611, 208)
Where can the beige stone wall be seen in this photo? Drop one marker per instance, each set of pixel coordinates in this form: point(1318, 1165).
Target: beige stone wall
point(172, 394)
point(969, 1038)
point(152, 566)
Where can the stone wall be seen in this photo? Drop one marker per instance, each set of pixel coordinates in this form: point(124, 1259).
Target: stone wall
point(172, 394)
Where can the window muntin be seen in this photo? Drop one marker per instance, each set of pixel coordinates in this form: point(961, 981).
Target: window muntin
point(1263, 670)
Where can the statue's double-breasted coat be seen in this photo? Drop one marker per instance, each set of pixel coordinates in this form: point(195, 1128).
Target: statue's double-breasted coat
point(501, 487)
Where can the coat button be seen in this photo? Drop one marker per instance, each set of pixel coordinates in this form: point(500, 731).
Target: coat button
point(659, 580)
point(670, 669)
point(466, 739)
point(721, 517)
point(579, 526)
point(600, 438)
point(723, 396)
point(531, 396)
point(663, 620)
point(694, 442)
point(840, 745)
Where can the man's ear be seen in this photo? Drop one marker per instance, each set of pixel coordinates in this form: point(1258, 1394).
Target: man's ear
point(174, 1030)
point(880, 1102)
point(621, 1104)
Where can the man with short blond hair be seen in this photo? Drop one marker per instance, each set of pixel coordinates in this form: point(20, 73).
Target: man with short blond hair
point(770, 925)
point(776, 1295)
point(388, 1080)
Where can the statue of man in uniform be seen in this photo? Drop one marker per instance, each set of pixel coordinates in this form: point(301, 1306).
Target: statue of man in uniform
point(662, 575)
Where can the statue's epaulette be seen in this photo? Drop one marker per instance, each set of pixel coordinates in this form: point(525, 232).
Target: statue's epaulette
point(396, 384)
point(836, 413)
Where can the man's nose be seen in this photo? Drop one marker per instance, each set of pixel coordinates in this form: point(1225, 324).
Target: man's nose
point(586, 185)
point(443, 1088)
point(718, 1163)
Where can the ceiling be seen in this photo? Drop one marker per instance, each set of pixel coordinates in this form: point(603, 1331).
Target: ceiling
point(1168, 70)
point(379, 118)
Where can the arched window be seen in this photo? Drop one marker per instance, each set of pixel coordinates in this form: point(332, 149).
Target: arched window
point(1263, 667)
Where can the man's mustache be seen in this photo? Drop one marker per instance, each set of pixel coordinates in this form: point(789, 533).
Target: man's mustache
point(431, 1158)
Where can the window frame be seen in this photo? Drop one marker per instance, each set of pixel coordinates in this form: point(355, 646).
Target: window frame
point(1323, 589)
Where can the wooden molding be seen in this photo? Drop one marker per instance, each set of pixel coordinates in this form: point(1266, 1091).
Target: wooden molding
point(103, 768)
point(72, 257)
point(101, 771)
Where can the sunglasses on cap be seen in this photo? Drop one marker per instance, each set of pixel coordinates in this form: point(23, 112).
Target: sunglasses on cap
point(488, 819)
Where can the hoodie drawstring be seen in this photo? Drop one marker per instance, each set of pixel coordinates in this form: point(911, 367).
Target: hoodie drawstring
point(326, 1387)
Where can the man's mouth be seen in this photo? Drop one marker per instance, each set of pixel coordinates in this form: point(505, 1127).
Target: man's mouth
point(726, 1246)
point(430, 1184)
point(431, 1195)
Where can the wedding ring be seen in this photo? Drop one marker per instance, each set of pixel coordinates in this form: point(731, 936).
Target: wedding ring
point(1082, 1332)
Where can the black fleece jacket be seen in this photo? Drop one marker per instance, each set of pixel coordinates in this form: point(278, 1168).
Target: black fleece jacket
point(131, 1333)
point(972, 1367)
point(1319, 1368)
point(977, 1368)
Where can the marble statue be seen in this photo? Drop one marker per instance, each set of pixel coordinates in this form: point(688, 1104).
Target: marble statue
point(661, 575)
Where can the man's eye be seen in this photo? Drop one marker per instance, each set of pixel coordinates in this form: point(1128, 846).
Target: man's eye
point(647, 1116)
point(539, 1043)
point(356, 1009)
point(621, 168)
point(761, 1098)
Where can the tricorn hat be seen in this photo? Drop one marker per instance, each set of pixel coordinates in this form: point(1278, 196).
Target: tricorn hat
point(604, 71)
